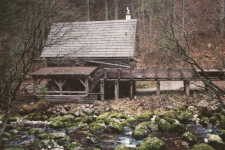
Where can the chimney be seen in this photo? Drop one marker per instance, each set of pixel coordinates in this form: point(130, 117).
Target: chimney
point(128, 15)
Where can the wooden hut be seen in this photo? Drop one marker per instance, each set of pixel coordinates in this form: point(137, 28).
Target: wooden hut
point(78, 55)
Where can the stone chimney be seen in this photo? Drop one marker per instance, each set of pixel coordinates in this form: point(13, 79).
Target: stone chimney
point(128, 15)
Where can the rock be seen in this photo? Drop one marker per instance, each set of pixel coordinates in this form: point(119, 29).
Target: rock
point(41, 131)
point(191, 109)
point(185, 117)
point(121, 147)
point(56, 124)
point(164, 125)
point(49, 144)
point(203, 103)
point(152, 144)
point(222, 122)
point(63, 112)
point(71, 129)
point(131, 120)
point(215, 141)
point(222, 134)
point(154, 127)
point(63, 141)
point(144, 125)
point(72, 146)
point(97, 103)
point(67, 118)
point(204, 121)
point(116, 127)
point(34, 131)
point(87, 119)
point(126, 124)
point(92, 139)
point(88, 111)
point(83, 126)
point(101, 117)
point(189, 138)
point(202, 146)
point(67, 107)
point(77, 113)
point(213, 120)
point(143, 117)
point(178, 127)
point(50, 111)
point(15, 132)
point(96, 127)
point(139, 134)
point(54, 136)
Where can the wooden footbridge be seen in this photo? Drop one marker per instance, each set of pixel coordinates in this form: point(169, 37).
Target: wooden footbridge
point(90, 77)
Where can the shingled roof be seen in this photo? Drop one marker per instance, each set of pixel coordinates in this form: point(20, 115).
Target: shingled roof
point(114, 38)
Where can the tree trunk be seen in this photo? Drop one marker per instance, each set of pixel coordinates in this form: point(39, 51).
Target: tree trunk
point(143, 19)
point(222, 17)
point(116, 9)
point(182, 30)
point(132, 9)
point(150, 21)
point(106, 9)
point(87, 10)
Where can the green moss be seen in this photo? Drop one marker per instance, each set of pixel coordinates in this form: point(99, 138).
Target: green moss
point(150, 114)
point(164, 125)
point(116, 127)
point(222, 122)
point(121, 147)
point(189, 138)
point(82, 126)
point(78, 119)
point(108, 120)
point(222, 134)
point(144, 125)
point(56, 124)
point(14, 148)
point(23, 128)
point(170, 120)
point(202, 146)
point(34, 131)
point(131, 120)
point(71, 146)
point(143, 117)
point(6, 135)
point(178, 127)
point(216, 142)
point(126, 124)
point(63, 141)
point(101, 117)
point(93, 139)
point(87, 119)
point(204, 121)
point(185, 117)
point(157, 118)
point(50, 136)
point(35, 117)
point(139, 134)
point(152, 144)
point(95, 127)
point(121, 116)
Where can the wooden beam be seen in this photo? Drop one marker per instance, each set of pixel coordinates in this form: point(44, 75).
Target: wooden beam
point(102, 90)
point(131, 89)
point(119, 73)
point(69, 92)
point(116, 90)
point(158, 88)
point(86, 85)
point(81, 82)
point(105, 74)
point(143, 73)
point(35, 86)
point(187, 88)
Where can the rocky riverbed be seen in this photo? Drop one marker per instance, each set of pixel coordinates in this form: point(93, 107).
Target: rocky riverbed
point(173, 123)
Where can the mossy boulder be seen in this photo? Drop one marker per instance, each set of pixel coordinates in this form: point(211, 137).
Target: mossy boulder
point(71, 129)
point(157, 118)
point(204, 121)
point(143, 118)
point(164, 125)
point(87, 119)
point(82, 126)
point(37, 116)
point(170, 120)
point(63, 141)
point(55, 136)
point(56, 124)
point(151, 114)
point(47, 144)
point(14, 148)
point(6, 135)
point(139, 134)
point(222, 135)
point(72, 146)
point(99, 146)
point(116, 127)
point(9, 127)
point(101, 117)
point(126, 124)
point(178, 127)
point(152, 144)
point(67, 118)
point(121, 116)
point(144, 125)
point(213, 120)
point(122, 147)
point(96, 127)
point(216, 142)
point(222, 122)
point(93, 139)
point(185, 117)
point(169, 114)
point(108, 120)
point(189, 137)
point(202, 146)
point(131, 120)
point(34, 131)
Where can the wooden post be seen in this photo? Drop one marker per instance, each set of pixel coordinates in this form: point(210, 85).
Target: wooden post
point(102, 90)
point(116, 90)
point(158, 88)
point(35, 86)
point(131, 89)
point(60, 86)
point(184, 85)
point(187, 88)
point(105, 75)
point(119, 73)
point(86, 85)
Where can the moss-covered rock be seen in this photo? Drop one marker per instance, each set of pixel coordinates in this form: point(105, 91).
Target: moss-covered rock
point(222, 135)
point(56, 124)
point(67, 118)
point(189, 137)
point(108, 120)
point(96, 127)
point(93, 139)
point(205, 112)
point(6, 135)
point(216, 142)
point(222, 122)
point(14, 148)
point(72, 146)
point(131, 120)
point(9, 127)
point(126, 124)
point(185, 117)
point(164, 125)
point(101, 117)
point(157, 118)
point(116, 127)
point(139, 134)
point(34, 131)
point(169, 114)
point(213, 120)
point(170, 120)
point(63, 141)
point(46, 144)
point(202, 146)
point(87, 119)
point(144, 125)
point(143, 118)
point(54, 136)
point(36, 116)
point(178, 127)
point(122, 147)
point(82, 126)
point(152, 144)
point(204, 121)
point(99, 146)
